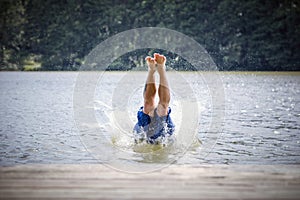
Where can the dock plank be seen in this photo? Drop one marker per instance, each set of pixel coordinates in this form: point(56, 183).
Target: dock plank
point(176, 182)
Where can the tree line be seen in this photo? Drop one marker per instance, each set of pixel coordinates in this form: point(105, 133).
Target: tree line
point(238, 34)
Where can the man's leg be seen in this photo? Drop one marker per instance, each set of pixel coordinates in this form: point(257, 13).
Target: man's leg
point(150, 88)
point(163, 90)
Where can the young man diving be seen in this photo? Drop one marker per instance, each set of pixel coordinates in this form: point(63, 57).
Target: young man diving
point(154, 121)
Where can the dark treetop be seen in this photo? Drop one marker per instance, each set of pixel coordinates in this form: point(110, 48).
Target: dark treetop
point(239, 35)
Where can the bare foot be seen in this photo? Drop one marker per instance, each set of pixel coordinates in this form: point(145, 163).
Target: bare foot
point(151, 63)
point(161, 61)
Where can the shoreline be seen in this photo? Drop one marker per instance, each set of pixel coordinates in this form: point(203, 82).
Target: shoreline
point(170, 71)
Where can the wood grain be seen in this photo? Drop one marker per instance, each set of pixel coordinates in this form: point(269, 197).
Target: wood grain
point(173, 182)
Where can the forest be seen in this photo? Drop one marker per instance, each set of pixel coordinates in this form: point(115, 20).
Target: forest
point(253, 35)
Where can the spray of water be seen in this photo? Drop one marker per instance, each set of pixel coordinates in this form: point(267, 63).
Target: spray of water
point(105, 106)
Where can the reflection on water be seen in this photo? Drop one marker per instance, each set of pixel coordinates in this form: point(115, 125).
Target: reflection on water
point(261, 126)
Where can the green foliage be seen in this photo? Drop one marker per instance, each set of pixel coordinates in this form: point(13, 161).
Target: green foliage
point(239, 35)
point(12, 34)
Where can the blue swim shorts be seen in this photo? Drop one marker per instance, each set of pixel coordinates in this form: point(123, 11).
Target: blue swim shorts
point(153, 129)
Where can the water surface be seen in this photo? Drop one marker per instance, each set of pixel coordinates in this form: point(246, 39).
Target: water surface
point(261, 123)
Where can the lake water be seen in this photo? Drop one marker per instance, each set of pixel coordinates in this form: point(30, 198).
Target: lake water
point(257, 119)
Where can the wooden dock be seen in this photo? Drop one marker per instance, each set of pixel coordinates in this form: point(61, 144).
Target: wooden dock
point(173, 182)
